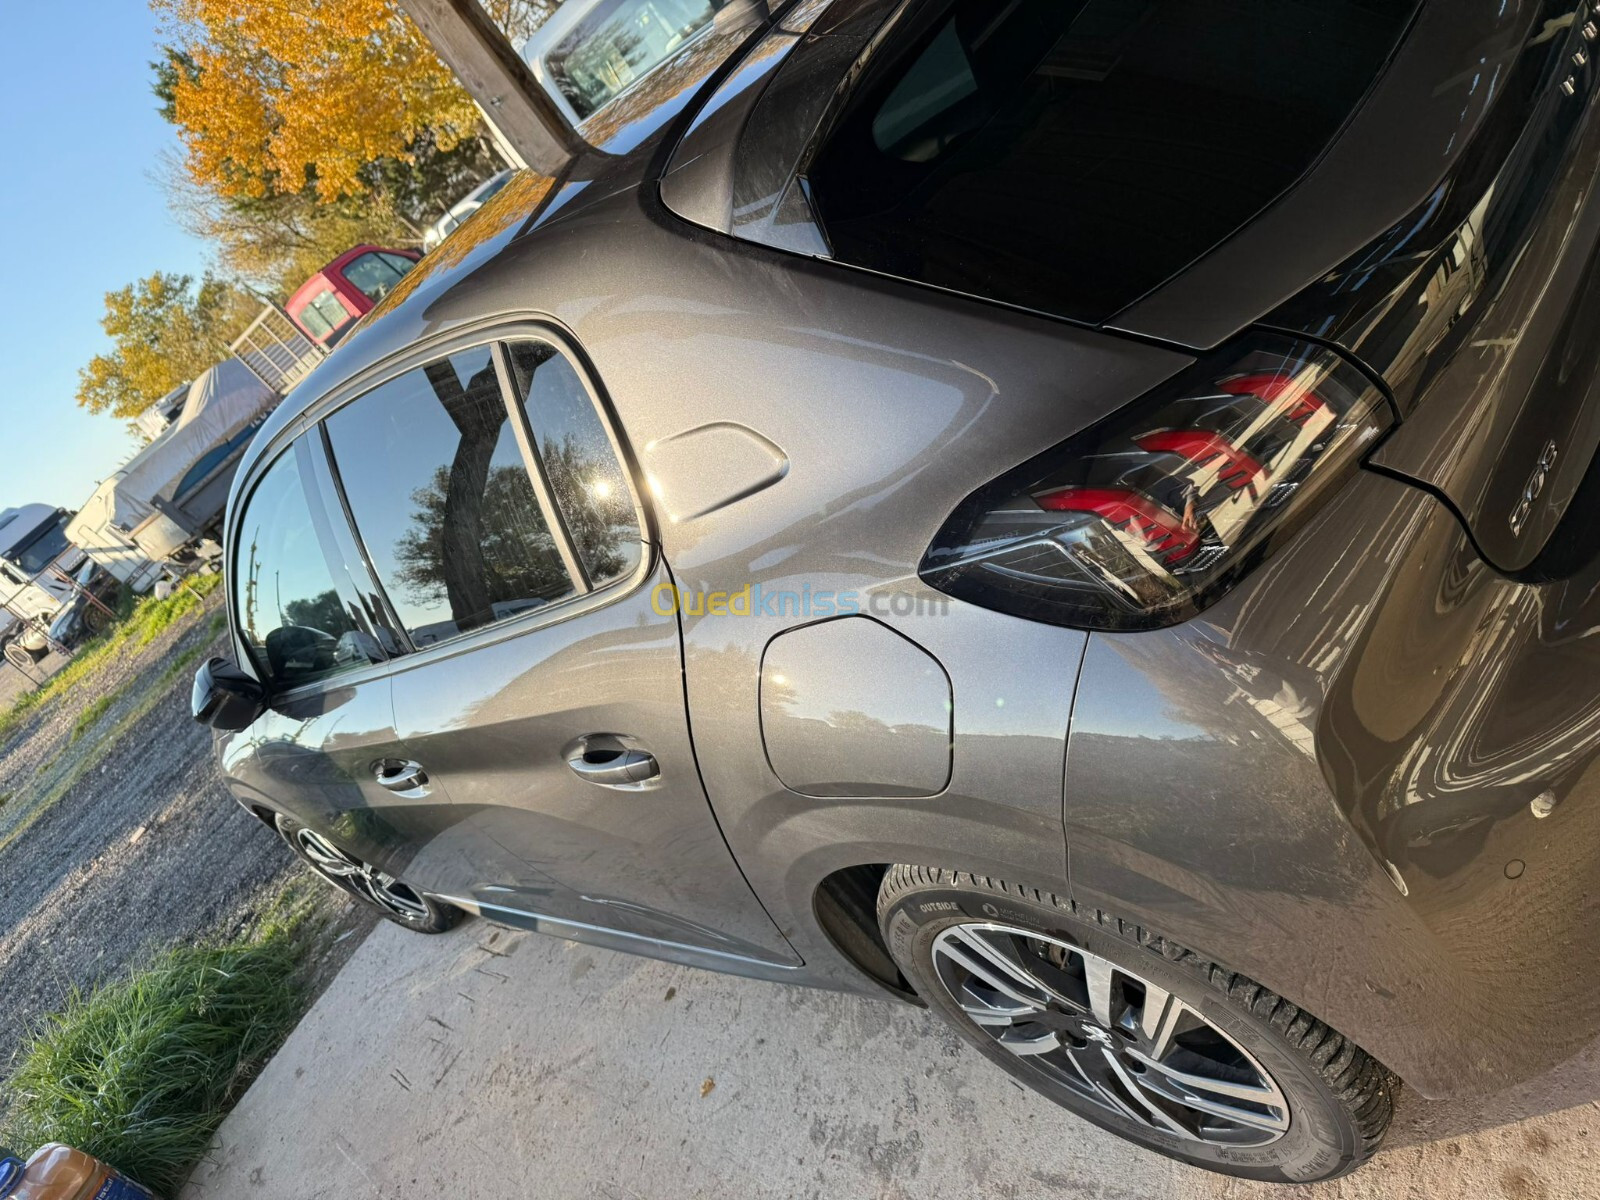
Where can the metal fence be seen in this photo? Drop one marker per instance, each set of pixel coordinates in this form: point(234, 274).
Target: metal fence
point(275, 350)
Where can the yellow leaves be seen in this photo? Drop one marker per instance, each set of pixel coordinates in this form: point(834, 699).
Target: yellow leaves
point(165, 333)
point(288, 91)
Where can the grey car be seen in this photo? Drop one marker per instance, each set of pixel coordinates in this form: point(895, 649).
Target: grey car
point(1077, 515)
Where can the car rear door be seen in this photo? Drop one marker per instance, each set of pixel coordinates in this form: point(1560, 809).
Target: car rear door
point(543, 688)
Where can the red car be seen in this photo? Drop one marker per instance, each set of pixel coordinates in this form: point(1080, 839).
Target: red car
point(327, 305)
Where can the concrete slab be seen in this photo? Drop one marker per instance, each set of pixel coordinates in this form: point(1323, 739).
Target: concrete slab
point(487, 1064)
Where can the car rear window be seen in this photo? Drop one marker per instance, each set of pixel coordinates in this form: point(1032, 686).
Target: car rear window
point(1068, 157)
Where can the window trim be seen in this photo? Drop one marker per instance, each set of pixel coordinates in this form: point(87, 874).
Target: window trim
point(324, 526)
point(499, 329)
point(522, 430)
point(387, 624)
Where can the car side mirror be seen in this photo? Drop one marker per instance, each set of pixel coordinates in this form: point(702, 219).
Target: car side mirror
point(354, 646)
point(225, 697)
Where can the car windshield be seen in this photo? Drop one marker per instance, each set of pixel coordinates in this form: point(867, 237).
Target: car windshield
point(493, 186)
point(619, 42)
point(44, 548)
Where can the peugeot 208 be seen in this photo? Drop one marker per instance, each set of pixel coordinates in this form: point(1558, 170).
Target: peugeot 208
point(1076, 514)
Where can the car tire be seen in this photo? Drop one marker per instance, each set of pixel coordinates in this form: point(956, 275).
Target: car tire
point(1134, 1033)
point(20, 657)
point(96, 620)
point(387, 895)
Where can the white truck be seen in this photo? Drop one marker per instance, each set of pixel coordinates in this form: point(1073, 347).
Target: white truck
point(39, 572)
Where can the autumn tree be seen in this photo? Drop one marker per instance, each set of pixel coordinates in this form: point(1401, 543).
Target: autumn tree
point(165, 330)
point(273, 95)
point(308, 130)
point(278, 240)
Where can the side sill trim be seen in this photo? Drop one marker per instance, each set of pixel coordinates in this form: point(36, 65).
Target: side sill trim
point(629, 943)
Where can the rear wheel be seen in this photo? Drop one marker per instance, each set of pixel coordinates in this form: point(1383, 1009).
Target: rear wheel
point(389, 895)
point(1138, 1035)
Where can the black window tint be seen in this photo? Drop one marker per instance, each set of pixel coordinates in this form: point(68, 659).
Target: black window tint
point(1070, 155)
point(585, 475)
point(442, 499)
point(288, 604)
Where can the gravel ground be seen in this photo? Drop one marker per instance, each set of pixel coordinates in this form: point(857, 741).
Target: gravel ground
point(13, 682)
point(133, 842)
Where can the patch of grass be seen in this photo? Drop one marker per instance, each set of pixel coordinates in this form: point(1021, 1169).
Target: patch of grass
point(87, 718)
point(141, 1072)
point(152, 618)
point(179, 665)
point(146, 621)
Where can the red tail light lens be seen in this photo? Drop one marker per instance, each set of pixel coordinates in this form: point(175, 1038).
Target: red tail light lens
point(1147, 518)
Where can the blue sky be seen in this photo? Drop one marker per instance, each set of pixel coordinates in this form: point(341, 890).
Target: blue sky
point(83, 215)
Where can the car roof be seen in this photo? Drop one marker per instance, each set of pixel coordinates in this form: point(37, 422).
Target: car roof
point(19, 524)
point(621, 155)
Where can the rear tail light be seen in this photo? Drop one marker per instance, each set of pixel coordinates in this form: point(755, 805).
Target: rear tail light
point(1147, 518)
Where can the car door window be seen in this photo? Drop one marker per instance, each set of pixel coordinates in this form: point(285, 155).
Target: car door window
point(441, 495)
point(587, 478)
point(372, 275)
point(288, 604)
point(399, 262)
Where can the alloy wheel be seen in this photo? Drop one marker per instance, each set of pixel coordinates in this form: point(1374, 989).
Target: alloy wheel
point(362, 879)
point(1113, 1037)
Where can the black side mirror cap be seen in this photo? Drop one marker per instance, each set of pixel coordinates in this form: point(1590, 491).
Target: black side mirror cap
point(225, 697)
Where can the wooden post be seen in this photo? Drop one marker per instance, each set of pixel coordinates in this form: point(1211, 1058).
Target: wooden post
point(523, 117)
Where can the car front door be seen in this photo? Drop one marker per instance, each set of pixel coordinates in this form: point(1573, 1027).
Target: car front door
point(325, 751)
point(542, 691)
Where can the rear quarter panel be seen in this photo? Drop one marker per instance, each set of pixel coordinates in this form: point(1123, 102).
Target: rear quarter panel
point(1326, 782)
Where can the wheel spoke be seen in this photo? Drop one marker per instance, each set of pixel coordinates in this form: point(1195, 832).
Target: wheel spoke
point(1101, 978)
point(1162, 1118)
point(986, 1014)
point(1010, 979)
point(1105, 1094)
point(328, 857)
point(1255, 1093)
point(1023, 1045)
point(1274, 1120)
point(363, 881)
point(1158, 1020)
